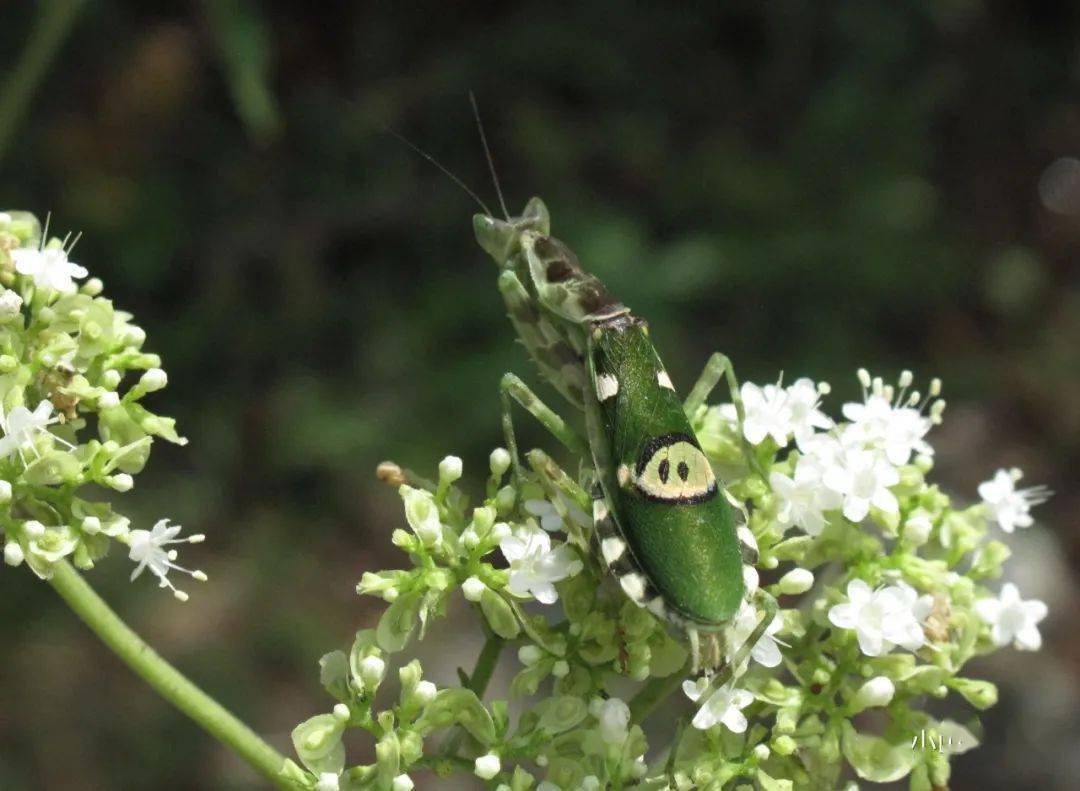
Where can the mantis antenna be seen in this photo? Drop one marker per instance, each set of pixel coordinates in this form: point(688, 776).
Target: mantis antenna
point(445, 170)
point(487, 153)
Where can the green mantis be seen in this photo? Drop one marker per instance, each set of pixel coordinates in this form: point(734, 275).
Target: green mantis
point(663, 524)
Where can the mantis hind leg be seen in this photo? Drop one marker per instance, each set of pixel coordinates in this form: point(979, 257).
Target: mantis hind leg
point(719, 367)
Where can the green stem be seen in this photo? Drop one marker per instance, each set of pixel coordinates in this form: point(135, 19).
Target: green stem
point(53, 24)
point(478, 683)
point(485, 665)
point(162, 676)
point(655, 692)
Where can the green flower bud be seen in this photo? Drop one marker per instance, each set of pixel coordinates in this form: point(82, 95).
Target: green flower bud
point(487, 766)
point(499, 462)
point(783, 745)
point(980, 694)
point(473, 589)
point(153, 380)
point(422, 514)
point(876, 692)
point(450, 469)
point(796, 581)
point(13, 553)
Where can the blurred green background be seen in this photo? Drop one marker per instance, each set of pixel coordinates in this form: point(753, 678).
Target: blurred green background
point(810, 187)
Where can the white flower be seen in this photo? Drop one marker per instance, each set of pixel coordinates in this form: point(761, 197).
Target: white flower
point(803, 499)
point(49, 268)
point(893, 420)
point(487, 766)
point(614, 717)
point(422, 514)
point(765, 652)
point(148, 550)
point(863, 477)
point(50, 544)
point(535, 566)
point(20, 425)
point(767, 413)
point(328, 781)
point(1012, 619)
point(724, 706)
point(881, 618)
point(10, 304)
point(401, 783)
point(803, 399)
point(1008, 506)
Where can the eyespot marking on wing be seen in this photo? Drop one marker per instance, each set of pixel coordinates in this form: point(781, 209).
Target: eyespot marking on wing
point(673, 469)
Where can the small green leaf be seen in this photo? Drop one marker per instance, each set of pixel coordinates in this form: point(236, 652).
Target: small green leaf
point(318, 743)
point(499, 615)
point(875, 759)
point(458, 705)
point(53, 468)
point(561, 713)
point(398, 621)
point(334, 675)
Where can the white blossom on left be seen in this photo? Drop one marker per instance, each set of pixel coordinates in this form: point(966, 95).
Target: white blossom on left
point(49, 268)
point(535, 566)
point(20, 425)
point(1012, 619)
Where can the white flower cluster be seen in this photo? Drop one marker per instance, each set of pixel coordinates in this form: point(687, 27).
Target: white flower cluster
point(849, 470)
point(850, 467)
point(67, 352)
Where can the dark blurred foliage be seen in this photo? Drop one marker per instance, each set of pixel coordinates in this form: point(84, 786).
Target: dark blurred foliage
point(807, 186)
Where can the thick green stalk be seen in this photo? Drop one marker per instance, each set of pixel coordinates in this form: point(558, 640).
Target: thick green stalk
point(485, 664)
point(162, 676)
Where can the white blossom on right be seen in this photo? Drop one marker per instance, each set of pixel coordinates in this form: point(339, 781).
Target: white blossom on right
point(1008, 506)
point(1012, 619)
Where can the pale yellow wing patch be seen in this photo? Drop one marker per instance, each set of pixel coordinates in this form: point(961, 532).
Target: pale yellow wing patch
point(677, 472)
